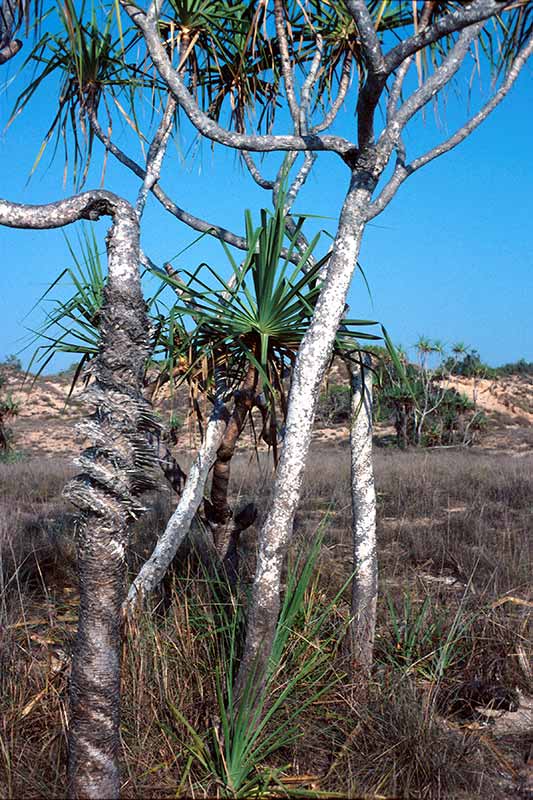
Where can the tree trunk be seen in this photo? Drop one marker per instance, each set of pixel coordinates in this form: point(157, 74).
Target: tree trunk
point(365, 565)
point(402, 417)
point(310, 367)
point(218, 512)
point(119, 465)
point(116, 469)
point(154, 569)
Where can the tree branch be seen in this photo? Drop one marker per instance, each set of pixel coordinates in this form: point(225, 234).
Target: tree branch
point(155, 156)
point(454, 20)
point(443, 74)
point(87, 205)
point(394, 96)
point(402, 171)
point(154, 569)
point(397, 86)
point(308, 84)
point(344, 85)
point(264, 183)
point(299, 181)
point(183, 216)
point(207, 126)
point(286, 69)
point(377, 76)
point(370, 46)
point(247, 157)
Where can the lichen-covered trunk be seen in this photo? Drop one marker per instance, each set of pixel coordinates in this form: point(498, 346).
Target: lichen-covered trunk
point(365, 564)
point(310, 367)
point(116, 468)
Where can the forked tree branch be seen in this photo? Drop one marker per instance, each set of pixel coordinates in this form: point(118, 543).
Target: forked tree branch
point(208, 127)
point(453, 21)
point(449, 66)
point(472, 16)
point(403, 170)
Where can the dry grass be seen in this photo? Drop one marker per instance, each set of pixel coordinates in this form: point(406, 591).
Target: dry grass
point(454, 539)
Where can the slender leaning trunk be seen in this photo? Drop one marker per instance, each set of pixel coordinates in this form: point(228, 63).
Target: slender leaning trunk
point(219, 512)
point(154, 569)
point(365, 565)
point(311, 364)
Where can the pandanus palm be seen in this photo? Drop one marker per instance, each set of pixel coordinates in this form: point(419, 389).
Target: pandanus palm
point(247, 333)
point(235, 339)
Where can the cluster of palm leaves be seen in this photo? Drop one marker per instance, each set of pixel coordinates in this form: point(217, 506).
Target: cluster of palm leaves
point(215, 329)
point(228, 53)
point(259, 316)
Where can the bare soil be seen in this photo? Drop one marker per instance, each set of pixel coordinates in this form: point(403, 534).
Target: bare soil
point(47, 416)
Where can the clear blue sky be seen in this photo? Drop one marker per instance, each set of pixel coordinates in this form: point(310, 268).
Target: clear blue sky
point(450, 258)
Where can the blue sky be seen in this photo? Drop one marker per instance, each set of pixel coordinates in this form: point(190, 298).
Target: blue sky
point(450, 258)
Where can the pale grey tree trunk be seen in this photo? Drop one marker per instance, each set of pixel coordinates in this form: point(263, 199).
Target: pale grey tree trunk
point(117, 467)
point(365, 563)
point(311, 363)
point(178, 526)
point(367, 161)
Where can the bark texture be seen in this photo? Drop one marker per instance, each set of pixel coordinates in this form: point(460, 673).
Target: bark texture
point(119, 464)
point(218, 511)
point(179, 524)
point(365, 563)
point(313, 358)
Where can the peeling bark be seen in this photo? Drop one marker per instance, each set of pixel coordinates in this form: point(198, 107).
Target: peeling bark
point(365, 563)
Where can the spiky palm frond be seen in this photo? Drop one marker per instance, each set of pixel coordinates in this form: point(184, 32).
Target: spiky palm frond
point(260, 316)
point(71, 325)
point(223, 55)
point(85, 60)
